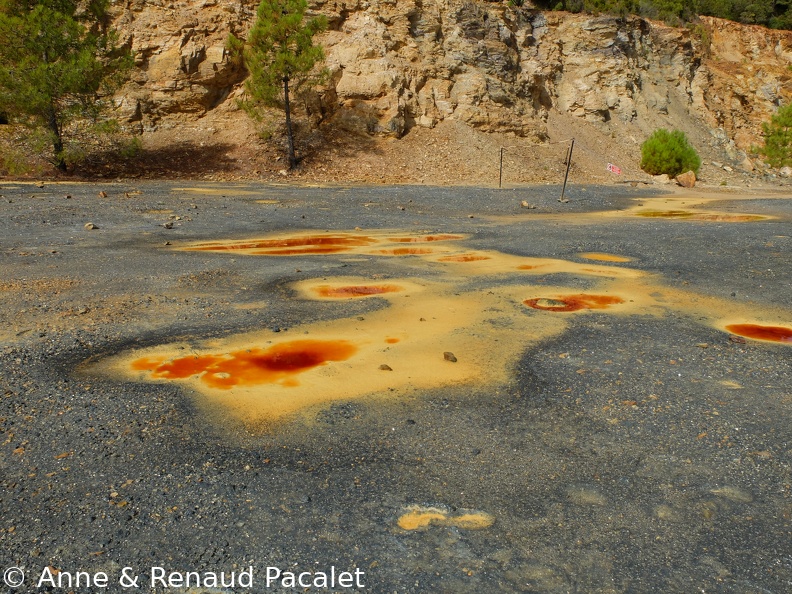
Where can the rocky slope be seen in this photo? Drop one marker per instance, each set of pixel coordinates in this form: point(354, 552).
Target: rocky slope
point(401, 65)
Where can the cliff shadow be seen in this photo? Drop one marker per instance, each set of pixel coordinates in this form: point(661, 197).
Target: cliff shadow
point(334, 144)
point(180, 159)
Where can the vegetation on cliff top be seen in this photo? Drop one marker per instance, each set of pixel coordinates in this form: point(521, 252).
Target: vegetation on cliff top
point(776, 14)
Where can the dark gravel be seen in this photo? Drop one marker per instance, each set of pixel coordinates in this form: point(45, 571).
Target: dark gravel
point(690, 490)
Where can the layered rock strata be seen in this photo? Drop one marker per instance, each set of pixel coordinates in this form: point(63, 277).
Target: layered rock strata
point(397, 64)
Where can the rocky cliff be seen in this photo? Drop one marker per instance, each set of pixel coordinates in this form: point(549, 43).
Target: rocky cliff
point(398, 65)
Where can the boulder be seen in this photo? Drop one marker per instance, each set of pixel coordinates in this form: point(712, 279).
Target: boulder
point(687, 179)
point(746, 165)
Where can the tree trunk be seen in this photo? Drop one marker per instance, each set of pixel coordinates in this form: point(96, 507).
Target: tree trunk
point(57, 143)
point(289, 131)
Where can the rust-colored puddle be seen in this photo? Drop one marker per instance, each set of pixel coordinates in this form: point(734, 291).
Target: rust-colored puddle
point(665, 214)
point(259, 378)
point(573, 302)
point(761, 332)
point(375, 243)
point(354, 291)
point(406, 251)
point(700, 216)
point(421, 518)
point(288, 246)
point(280, 363)
point(600, 257)
point(424, 238)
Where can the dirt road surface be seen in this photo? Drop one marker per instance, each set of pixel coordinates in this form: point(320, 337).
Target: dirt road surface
point(394, 389)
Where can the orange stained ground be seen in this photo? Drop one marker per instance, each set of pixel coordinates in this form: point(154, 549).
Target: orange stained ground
point(406, 251)
point(759, 332)
point(573, 302)
point(600, 257)
point(309, 244)
point(422, 238)
point(277, 364)
point(332, 243)
point(729, 218)
point(463, 258)
point(421, 518)
point(439, 316)
point(666, 214)
point(700, 216)
point(354, 291)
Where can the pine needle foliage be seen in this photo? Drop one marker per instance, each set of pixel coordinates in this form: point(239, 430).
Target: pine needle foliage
point(58, 62)
point(778, 138)
point(669, 153)
point(280, 56)
point(776, 14)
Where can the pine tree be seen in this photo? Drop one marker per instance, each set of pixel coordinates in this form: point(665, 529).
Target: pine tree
point(280, 56)
point(56, 58)
point(778, 138)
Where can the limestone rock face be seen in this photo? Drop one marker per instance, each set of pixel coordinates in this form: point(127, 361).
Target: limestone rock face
point(396, 64)
point(182, 66)
point(744, 80)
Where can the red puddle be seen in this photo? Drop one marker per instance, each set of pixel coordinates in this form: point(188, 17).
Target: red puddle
point(391, 340)
point(463, 258)
point(406, 251)
point(352, 291)
point(755, 331)
point(297, 251)
point(277, 364)
point(310, 244)
point(528, 267)
point(423, 238)
point(573, 302)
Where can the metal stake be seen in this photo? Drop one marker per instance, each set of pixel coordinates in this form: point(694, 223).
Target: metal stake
point(500, 174)
point(566, 175)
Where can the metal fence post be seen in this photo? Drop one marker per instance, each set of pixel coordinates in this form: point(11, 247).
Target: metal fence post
point(566, 175)
point(500, 173)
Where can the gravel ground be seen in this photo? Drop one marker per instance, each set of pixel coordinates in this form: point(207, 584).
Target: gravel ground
point(626, 454)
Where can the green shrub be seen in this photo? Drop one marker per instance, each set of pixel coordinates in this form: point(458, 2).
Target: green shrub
point(130, 148)
point(14, 162)
point(669, 153)
point(778, 138)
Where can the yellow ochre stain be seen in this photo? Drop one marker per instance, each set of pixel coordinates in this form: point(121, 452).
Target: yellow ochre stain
point(421, 518)
point(222, 191)
point(605, 257)
point(487, 326)
point(682, 207)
